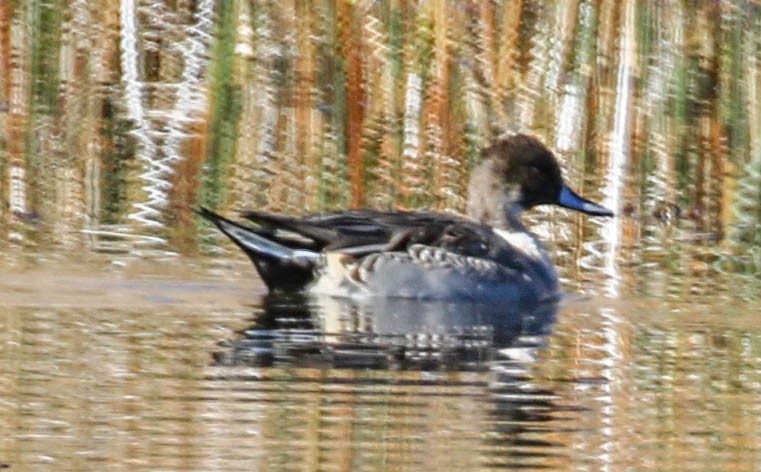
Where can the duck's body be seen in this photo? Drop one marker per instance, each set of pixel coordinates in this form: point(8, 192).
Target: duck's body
point(362, 253)
point(487, 258)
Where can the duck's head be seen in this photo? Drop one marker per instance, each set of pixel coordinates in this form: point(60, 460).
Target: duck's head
point(515, 174)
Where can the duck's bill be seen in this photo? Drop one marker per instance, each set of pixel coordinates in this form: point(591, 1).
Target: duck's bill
point(569, 199)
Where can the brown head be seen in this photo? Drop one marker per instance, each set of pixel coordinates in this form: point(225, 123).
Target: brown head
point(517, 173)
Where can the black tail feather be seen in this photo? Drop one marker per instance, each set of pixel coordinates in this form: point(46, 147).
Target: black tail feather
point(281, 267)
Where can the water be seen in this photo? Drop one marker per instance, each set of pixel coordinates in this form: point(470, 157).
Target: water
point(129, 371)
point(134, 337)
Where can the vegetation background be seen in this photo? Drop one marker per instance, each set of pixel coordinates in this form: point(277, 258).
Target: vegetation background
point(119, 117)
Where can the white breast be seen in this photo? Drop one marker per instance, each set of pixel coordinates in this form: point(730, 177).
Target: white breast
point(523, 242)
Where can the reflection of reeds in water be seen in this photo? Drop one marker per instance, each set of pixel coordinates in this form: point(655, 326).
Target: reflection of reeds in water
point(747, 203)
point(122, 116)
point(165, 103)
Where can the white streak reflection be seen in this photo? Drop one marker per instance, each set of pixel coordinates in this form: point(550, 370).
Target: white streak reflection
point(160, 133)
point(620, 145)
point(147, 151)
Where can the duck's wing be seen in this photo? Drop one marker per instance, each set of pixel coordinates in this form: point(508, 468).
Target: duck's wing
point(287, 251)
point(323, 230)
point(355, 231)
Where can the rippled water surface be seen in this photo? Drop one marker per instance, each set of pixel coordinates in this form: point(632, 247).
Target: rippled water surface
point(116, 369)
point(134, 337)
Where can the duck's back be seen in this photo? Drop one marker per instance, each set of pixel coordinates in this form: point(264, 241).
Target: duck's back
point(355, 229)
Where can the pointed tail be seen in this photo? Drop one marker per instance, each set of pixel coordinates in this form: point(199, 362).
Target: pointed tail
point(281, 267)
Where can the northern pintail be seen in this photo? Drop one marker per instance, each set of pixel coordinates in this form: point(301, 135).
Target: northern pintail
point(489, 257)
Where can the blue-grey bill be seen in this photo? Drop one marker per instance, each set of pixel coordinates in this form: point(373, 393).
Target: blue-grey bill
point(569, 199)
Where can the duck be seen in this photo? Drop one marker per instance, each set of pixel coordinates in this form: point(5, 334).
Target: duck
point(488, 256)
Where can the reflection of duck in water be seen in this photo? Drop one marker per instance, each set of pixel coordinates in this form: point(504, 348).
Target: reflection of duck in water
point(389, 333)
point(489, 258)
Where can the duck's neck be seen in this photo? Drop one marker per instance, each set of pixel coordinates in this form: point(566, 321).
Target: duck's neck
point(511, 216)
point(508, 217)
point(490, 203)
